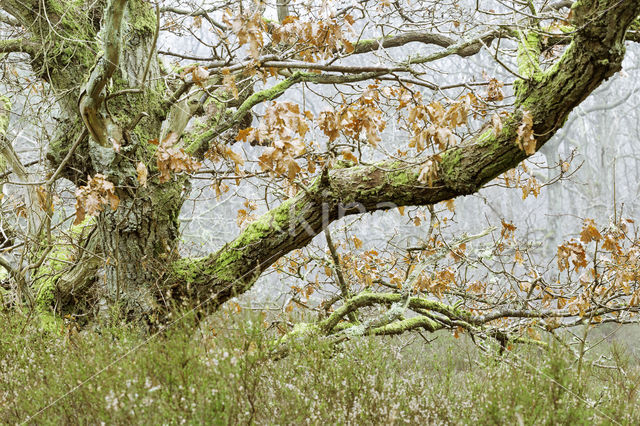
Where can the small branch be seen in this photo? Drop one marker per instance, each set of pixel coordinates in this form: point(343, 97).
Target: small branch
point(183, 56)
point(462, 49)
point(351, 69)
point(204, 13)
point(344, 288)
point(67, 157)
point(153, 47)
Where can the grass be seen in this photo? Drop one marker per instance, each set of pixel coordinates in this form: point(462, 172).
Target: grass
point(221, 374)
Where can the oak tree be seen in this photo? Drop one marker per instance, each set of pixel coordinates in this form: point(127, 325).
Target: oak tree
point(128, 125)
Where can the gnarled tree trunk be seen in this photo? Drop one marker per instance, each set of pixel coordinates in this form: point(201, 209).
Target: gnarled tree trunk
point(130, 247)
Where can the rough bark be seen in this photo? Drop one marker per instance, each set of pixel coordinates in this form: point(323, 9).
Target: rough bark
point(93, 55)
point(136, 241)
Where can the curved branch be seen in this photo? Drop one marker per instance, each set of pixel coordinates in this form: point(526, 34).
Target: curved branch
point(9, 268)
point(90, 99)
point(432, 316)
point(460, 48)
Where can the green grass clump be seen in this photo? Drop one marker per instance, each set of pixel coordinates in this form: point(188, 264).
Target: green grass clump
point(221, 373)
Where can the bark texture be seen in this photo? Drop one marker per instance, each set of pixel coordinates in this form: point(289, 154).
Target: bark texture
point(93, 54)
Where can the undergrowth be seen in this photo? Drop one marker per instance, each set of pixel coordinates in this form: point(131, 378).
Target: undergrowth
point(222, 374)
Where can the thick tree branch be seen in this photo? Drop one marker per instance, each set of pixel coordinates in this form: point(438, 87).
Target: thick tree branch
point(432, 316)
point(78, 279)
point(594, 55)
point(462, 48)
point(22, 12)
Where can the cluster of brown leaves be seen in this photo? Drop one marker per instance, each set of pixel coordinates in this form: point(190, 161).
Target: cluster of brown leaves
point(46, 200)
point(229, 82)
point(282, 129)
point(494, 91)
point(368, 268)
point(508, 230)
point(571, 251)
point(352, 119)
point(91, 198)
point(171, 159)
point(521, 178)
point(429, 170)
point(249, 29)
point(246, 214)
point(314, 40)
point(219, 151)
point(496, 122)
point(199, 74)
point(611, 272)
point(608, 241)
point(525, 138)
point(531, 186)
point(436, 283)
point(220, 187)
point(432, 125)
point(362, 266)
